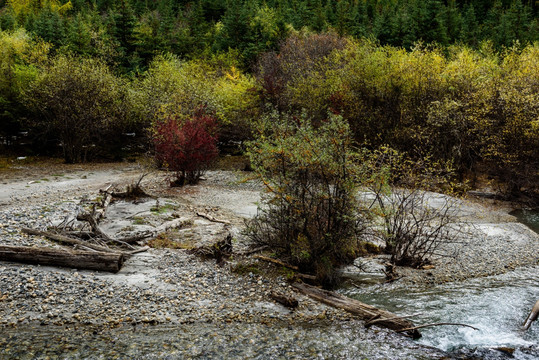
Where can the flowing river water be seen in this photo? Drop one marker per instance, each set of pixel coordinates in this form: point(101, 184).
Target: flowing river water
point(496, 305)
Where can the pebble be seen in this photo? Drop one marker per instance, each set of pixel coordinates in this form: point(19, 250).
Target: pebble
point(194, 302)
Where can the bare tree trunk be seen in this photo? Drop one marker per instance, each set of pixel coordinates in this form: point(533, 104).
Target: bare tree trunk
point(532, 317)
point(89, 260)
point(66, 240)
point(364, 311)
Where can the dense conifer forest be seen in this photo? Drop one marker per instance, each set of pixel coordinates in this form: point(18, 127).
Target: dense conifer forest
point(129, 33)
point(453, 81)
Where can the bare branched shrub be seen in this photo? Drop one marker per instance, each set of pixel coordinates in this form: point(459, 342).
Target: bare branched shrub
point(413, 223)
point(413, 230)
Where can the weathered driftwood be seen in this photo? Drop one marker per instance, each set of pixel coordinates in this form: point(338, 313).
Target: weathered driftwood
point(139, 250)
point(532, 317)
point(364, 311)
point(211, 218)
point(92, 220)
point(218, 251)
point(134, 238)
point(297, 274)
point(67, 240)
point(133, 191)
point(378, 319)
point(173, 224)
point(105, 202)
point(287, 301)
point(276, 261)
point(73, 259)
point(436, 324)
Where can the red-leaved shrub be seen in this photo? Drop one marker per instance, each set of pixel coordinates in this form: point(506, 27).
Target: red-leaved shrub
point(186, 146)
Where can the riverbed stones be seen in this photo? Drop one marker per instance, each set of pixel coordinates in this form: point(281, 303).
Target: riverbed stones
point(171, 291)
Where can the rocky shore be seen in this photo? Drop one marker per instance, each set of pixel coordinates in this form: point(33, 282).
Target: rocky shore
point(166, 303)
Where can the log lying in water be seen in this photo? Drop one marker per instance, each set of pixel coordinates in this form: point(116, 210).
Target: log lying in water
point(532, 317)
point(88, 260)
point(364, 311)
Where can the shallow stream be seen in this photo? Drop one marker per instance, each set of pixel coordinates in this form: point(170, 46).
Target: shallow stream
point(529, 217)
point(496, 305)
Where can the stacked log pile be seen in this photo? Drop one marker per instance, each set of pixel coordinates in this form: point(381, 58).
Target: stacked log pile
point(88, 249)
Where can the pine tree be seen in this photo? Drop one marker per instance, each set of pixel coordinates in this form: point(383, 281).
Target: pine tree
point(49, 26)
point(234, 32)
point(319, 21)
point(469, 33)
point(453, 21)
point(123, 25)
point(78, 36)
point(359, 26)
point(329, 9)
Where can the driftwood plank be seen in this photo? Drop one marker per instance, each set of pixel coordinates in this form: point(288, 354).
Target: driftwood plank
point(66, 240)
point(90, 260)
point(364, 311)
point(532, 317)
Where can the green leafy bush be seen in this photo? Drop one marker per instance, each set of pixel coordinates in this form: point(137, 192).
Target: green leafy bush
point(309, 215)
point(79, 103)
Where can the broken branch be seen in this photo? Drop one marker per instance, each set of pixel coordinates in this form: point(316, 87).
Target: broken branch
point(435, 324)
point(211, 218)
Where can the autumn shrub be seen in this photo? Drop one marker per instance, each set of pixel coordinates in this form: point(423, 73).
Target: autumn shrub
point(186, 145)
point(309, 215)
point(473, 109)
point(174, 86)
point(78, 103)
point(20, 56)
point(298, 76)
point(510, 125)
point(412, 223)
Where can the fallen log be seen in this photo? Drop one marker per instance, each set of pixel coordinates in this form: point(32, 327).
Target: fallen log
point(377, 319)
point(218, 251)
point(66, 240)
point(364, 311)
point(297, 274)
point(276, 261)
point(211, 218)
point(99, 214)
point(139, 250)
point(532, 317)
point(88, 260)
point(436, 324)
point(133, 191)
point(91, 219)
point(284, 300)
point(135, 238)
point(173, 224)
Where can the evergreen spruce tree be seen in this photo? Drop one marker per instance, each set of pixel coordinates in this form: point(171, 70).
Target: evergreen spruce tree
point(329, 9)
point(491, 28)
point(49, 26)
point(78, 36)
point(453, 21)
point(235, 31)
point(359, 26)
point(123, 24)
point(319, 21)
point(469, 33)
